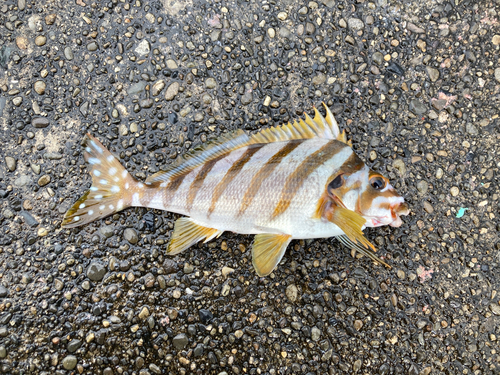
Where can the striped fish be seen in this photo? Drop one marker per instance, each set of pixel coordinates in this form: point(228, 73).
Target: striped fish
point(295, 181)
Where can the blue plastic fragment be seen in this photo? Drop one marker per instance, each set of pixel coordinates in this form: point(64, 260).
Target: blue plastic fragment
point(461, 212)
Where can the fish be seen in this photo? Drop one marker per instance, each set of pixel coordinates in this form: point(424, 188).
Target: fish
point(301, 180)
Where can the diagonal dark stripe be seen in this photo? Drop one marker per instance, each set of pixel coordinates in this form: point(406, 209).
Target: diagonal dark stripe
point(232, 173)
point(297, 178)
point(264, 173)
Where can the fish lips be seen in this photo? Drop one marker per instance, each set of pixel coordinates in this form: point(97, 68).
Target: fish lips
point(398, 211)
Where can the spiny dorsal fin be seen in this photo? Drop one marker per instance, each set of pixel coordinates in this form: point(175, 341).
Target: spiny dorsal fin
point(319, 127)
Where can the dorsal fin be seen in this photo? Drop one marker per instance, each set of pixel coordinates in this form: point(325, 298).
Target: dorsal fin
point(319, 127)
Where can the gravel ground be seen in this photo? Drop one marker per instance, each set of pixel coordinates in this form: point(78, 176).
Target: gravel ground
point(415, 83)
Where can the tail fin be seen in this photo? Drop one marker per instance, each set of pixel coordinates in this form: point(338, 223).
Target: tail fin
point(110, 190)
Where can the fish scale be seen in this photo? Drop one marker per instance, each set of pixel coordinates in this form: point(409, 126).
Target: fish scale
point(297, 181)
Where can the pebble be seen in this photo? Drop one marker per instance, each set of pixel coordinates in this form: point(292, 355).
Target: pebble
point(171, 64)
point(69, 362)
point(44, 180)
point(143, 48)
point(40, 40)
point(210, 83)
point(495, 308)
point(42, 232)
point(22, 42)
point(315, 334)
point(40, 122)
point(227, 270)
point(471, 129)
point(92, 46)
point(433, 73)
point(422, 187)
point(11, 163)
point(3, 352)
point(282, 16)
point(205, 316)
point(428, 207)
point(417, 107)
point(180, 341)
point(358, 324)
point(68, 53)
point(144, 313)
point(319, 79)
point(413, 28)
point(73, 345)
point(248, 95)
point(4, 292)
point(188, 268)
point(50, 18)
point(157, 87)
point(107, 231)
point(22, 180)
point(399, 164)
point(292, 292)
point(495, 40)
point(454, 191)
point(96, 271)
point(497, 74)
point(17, 101)
point(284, 32)
point(355, 24)
point(131, 235)
point(172, 91)
point(378, 58)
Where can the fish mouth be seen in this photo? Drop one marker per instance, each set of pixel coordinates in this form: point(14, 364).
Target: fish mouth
point(397, 211)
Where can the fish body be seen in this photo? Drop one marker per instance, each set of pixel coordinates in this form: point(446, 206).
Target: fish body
point(297, 181)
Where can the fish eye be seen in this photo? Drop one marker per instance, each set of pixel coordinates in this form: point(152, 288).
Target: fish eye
point(336, 183)
point(377, 182)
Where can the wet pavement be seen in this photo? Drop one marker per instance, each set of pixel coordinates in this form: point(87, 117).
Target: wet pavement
point(416, 84)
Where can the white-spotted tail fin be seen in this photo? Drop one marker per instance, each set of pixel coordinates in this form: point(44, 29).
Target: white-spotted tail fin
point(110, 190)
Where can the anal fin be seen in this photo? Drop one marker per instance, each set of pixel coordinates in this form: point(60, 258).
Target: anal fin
point(360, 249)
point(187, 233)
point(267, 251)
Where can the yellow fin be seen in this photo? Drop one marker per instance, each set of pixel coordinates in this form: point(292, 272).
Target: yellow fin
point(360, 249)
point(351, 223)
point(319, 127)
point(267, 251)
point(187, 233)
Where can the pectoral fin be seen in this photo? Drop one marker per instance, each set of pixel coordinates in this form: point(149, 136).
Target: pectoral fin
point(187, 233)
point(360, 249)
point(351, 223)
point(267, 251)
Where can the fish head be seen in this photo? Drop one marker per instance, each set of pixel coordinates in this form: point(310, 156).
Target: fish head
point(371, 195)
